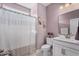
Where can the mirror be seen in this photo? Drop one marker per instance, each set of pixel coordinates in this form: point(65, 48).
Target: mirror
point(68, 23)
point(73, 26)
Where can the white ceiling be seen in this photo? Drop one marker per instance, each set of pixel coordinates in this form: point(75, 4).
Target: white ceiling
point(45, 4)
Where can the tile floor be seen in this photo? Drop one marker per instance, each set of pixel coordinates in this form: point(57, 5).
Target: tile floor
point(40, 53)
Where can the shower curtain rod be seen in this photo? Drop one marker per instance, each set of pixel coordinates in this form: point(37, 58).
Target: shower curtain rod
point(16, 12)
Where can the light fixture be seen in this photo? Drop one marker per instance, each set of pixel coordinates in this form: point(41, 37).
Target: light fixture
point(65, 6)
point(61, 7)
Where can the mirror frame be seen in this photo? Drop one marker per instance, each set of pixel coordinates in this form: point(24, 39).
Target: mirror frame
point(72, 14)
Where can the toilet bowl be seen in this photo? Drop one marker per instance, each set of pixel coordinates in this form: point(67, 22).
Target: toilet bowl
point(46, 48)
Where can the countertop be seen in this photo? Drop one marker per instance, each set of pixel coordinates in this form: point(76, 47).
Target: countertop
point(67, 40)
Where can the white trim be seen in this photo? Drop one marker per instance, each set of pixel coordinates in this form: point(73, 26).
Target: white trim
point(9, 8)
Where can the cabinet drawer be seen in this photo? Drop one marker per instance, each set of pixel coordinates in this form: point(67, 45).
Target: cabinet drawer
point(59, 50)
point(67, 44)
point(69, 52)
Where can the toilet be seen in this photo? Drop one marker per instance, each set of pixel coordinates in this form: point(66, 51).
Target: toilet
point(46, 48)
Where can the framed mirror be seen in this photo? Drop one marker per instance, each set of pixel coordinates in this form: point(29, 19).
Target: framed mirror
point(68, 23)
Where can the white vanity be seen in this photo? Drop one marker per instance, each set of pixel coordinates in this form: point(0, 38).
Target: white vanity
point(65, 47)
point(68, 26)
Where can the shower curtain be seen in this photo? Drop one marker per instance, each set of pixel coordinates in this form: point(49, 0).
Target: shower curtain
point(16, 30)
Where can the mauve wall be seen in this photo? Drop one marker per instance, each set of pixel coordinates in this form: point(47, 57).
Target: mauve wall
point(41, 32)
point(53, 12)
point(72, 7)
point(52, 18)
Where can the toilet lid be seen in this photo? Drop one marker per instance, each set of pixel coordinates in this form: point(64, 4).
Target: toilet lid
point(46, 46)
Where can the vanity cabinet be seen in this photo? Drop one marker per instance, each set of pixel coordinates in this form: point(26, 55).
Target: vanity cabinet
point(65, 48)
point(57, 50)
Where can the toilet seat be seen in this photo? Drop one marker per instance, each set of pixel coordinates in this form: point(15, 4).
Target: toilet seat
point(46, 47)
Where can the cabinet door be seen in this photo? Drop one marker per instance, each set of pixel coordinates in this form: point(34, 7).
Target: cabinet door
point(57, 50)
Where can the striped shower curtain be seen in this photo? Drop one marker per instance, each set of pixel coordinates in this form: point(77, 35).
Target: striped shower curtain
point(17, 32)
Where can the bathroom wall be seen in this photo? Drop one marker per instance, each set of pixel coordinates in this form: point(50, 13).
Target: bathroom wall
point(41, 31)
point(72, 7)
point(53, 12)
point(52, 18)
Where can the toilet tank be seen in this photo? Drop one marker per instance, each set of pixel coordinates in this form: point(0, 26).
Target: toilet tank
point(49, 41)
